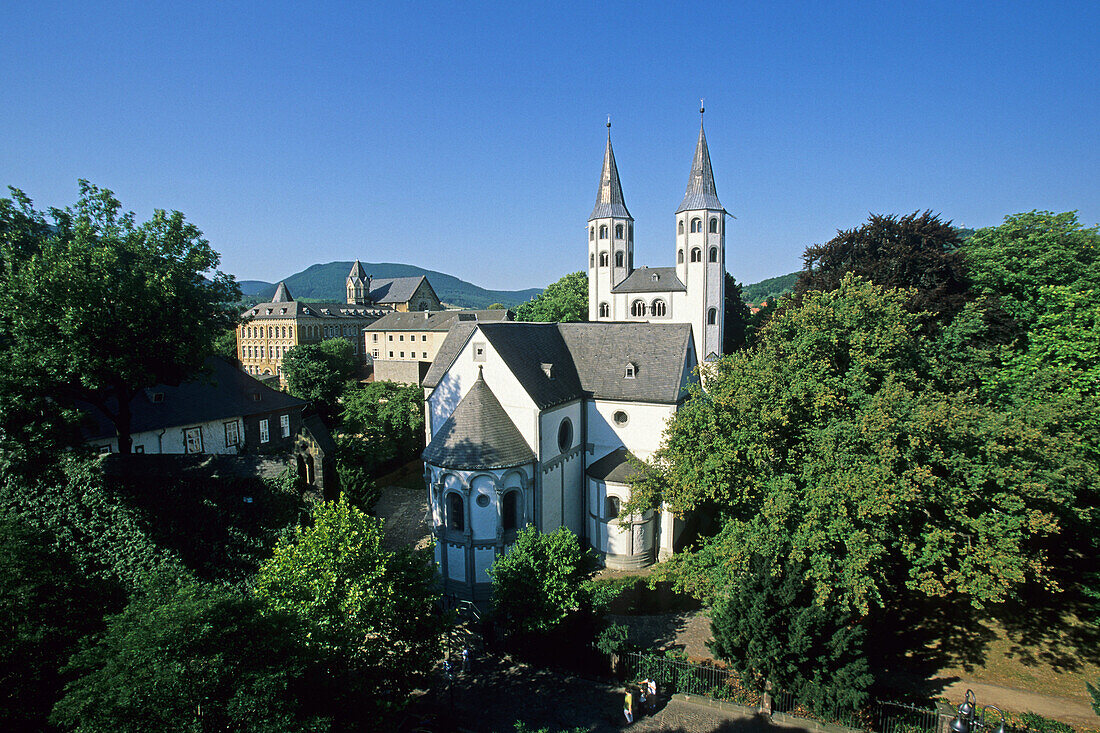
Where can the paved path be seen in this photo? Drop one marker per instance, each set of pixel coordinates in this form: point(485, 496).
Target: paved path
point(406, 513)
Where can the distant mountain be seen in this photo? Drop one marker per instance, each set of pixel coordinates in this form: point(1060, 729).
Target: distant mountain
point(327, 282)
point(772, 287)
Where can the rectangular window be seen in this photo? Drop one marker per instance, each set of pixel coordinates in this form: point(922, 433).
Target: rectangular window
point(264, 436)
point(104, 450)
point(192, 439)
point(374, 353)
point(284, 425)
point(402, 354)
point(391, 354)
point(424, 337)
point(401, 337)
point(479, 352)
point(391, 337)
point(424, 355)
point(375, 336)
point(231, 435)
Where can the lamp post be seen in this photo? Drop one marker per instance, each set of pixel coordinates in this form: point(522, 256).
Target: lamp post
point(970, 720)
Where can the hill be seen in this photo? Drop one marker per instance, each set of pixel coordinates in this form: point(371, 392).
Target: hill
point(773, 286)
point(326, 282)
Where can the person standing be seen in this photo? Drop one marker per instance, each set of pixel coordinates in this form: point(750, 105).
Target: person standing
point(628, 705)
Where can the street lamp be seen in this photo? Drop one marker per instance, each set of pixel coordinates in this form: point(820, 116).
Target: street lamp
point(971, 720)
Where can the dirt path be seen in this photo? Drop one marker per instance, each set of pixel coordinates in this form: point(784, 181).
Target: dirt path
point(406, 513)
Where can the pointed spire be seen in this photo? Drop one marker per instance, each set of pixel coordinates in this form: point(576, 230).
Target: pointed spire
point(609, 198)
point(282, 294)
point(357, 271)
point(700, 192)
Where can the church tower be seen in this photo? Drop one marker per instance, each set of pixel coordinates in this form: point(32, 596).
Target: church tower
point(358, 285)
point(701, 253)
point(610, 240)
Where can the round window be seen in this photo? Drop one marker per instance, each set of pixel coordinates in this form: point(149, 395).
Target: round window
point(621, 418)
point(483, 500)
point(565, 435)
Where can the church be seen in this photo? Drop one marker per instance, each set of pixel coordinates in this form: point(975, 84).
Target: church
point(536, 423)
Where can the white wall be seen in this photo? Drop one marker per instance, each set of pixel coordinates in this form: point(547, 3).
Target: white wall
point(172, 440)
point(562, 481)
point(641, 435)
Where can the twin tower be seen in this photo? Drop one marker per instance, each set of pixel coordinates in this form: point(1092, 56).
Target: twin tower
point(691, 292)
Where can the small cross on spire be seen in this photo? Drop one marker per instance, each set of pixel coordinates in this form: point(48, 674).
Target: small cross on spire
point(702, 109)
point(609, 122)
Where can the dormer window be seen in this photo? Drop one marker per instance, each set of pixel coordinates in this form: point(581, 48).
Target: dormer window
point(282, 310)
point(269, 311)
point(158, 397)
point(656, 277)
point(631, 370)
point(548, 370)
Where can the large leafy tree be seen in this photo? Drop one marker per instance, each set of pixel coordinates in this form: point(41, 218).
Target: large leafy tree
point(367, 610)
point(320, 372)
point(736, 317)
point(917, 251)
point(95, 306)
point(563, 301)
point(837, 442)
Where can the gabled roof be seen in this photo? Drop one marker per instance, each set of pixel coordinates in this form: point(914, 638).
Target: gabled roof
point(642, 281)
point(282, 294)
point(435, 320)
point(222, 393)
point(478, 435)
point(609, 197)
point(452, 346)
point(525, 347)
point(700, 193)
point(395, 289)
point(614, 467)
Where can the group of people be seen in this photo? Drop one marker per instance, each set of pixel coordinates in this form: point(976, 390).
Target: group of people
point(639, 698)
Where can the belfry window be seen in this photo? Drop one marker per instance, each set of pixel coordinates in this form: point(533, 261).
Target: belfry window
point(603, 259)
point(637, 308)
point(712, 316)
point(603, 231)
point(455, 518)
point(680, 228)
point(659, 307)
point(713, 254)
point(619, 258)
point(696, 225)
point(618, 231)
point(714, 225)
point(680, 257)
point(592, 260)
point(696, 254)
point(591, 233)
point(605, 310)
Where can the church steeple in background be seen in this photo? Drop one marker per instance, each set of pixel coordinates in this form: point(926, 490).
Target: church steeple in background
point(700, 193)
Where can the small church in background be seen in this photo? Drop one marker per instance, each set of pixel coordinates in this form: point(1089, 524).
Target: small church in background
point(537, 423)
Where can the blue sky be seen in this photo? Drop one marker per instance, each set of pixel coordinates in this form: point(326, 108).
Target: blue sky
point(468, 137)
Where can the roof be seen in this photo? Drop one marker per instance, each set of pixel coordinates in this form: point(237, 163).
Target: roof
point(320, 432)
point(614, 467)
point(588, 359)
point(296, 309)
point(394, 289)
point(435, 320)
point(478, 435)
point(700, 193)
point(609, 196)
point(357, 272)
point(222, 392)
point(282, 294)
point(641, 281)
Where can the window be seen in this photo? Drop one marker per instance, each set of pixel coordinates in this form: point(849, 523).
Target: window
point(618, 231)
point(423, 354)
point(104, 450)
point(231, 435)
point(631, 371)
point(375, 337)
point(591, 233)
point(680, 227)
point(637, 308)
point(679, 257)
point(713, 254)
point(565, 434)
point(482, 500)
point(139, 449)
point(696, 225)
point(620, 418)
point(696, 254)
point(374, 353)
point(291, 331)
point(284, 425)
point(479, 352)
point(603, 259)
point(591, 260)
point(658, 307)
point(455, 518)
point(605, 310)
point(391, 337)
point(510, 512)
point(192, 440)
point(714, 225)
point(619, 259)
point(401, 337)
point(402, 354)
point(264, 435)
point(391, 354)
point(603, 231)
point(611, 508)
point(424, 337)
point(712, 316)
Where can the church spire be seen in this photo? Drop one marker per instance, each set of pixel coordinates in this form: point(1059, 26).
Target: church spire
point(700, 192)
point(609, 198)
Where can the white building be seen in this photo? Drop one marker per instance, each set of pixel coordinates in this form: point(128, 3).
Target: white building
point(536, 423)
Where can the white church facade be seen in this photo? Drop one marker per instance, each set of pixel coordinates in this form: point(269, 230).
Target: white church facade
point(537, 423)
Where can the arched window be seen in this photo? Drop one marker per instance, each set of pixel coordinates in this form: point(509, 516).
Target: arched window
point(291, 331)
point(680, 257)
point(603, 259)
point(592, 260)
point(565, 434)
point(680, 228)
point(611, 508)
point(618, 231)
point(455, 518)
point(619, 258)
point(696, 254)
point(712, 316)
point(603, 231)
point(637, 308)
point(714, 225)
point(713, 254)
point(510, 512)
point(658, 307)
point(696, 225)
point(605, 310)
point(591, 233)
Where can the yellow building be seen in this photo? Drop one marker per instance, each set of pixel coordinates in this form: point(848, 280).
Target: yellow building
point(403, 345)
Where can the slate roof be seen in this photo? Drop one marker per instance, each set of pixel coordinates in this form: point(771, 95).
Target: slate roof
point(295, 309)
point(222, 393)
point(394, 289)
point(641, 281)
point(357, 271)
point(282, 294)
point(700, 193)
point(588, 359)
point(609, 196)
point(434, 320)
point(614, 467)
point(478, 435)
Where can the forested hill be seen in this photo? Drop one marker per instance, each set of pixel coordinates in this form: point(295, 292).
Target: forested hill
point(327, 282)
point(772, 287)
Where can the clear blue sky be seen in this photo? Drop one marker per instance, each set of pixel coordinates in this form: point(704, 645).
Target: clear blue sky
point(468, 137)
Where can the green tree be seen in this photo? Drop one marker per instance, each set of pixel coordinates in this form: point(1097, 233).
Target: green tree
point(768, 626)
point(1094, 693)
point(187, 656)
point(320, 372)
point(917, 251)
point(564, 301)
point(837, 440)
point(736, 317)
point(539, 582)
point(368, 611)
point(497, 307)
point(95, 307)
point(225, 346)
